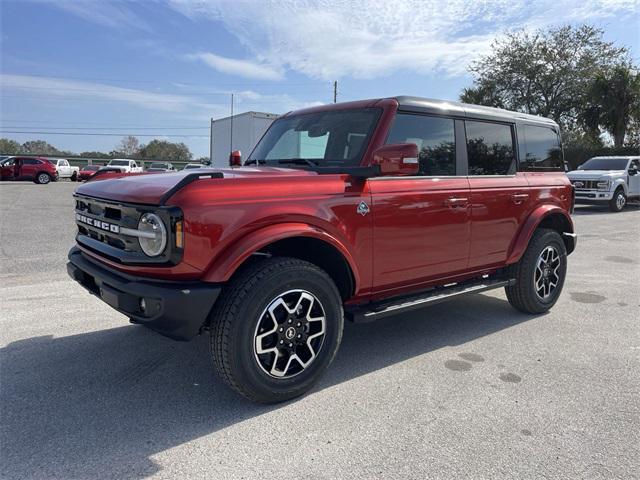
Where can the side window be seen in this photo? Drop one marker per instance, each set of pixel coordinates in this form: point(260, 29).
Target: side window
point(64, 163)
point(542, 149)
point(30, 161)
point(435, 138)
point(490, 148)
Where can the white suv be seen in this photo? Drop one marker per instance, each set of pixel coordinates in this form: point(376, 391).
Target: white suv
point(607, 180)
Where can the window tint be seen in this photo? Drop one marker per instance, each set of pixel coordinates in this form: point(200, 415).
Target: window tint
point(542, 149)
point(30, 161)
point(434, 137)
point(490, 148)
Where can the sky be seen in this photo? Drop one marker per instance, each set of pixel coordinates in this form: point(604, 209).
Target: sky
point(81, 74)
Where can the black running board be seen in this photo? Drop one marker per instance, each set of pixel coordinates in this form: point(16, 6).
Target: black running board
point(375, 311)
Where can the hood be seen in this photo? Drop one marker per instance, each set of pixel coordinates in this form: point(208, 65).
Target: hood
point(151, 188)
point(592, 174)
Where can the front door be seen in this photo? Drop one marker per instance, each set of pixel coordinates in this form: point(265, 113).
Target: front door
point(634, 180)
point(499, 196)
point(420, 223)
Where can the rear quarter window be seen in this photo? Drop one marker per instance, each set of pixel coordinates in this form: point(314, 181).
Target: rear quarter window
point(542, 150)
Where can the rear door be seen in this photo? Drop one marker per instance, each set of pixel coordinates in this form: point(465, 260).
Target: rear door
point(421, 223)
point(30, 167)
point(499, 194)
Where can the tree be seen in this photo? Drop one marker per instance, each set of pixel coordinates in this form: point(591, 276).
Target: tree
point(545, 73)
point(128, 147)
point(614, 100)
point(95, 155)
point(39, 147)
point(9, 147)
point(168, 151)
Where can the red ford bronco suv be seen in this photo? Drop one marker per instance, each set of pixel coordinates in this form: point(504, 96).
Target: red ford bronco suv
point(358, 210)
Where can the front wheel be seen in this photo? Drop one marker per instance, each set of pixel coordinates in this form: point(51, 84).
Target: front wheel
point(276, 328)
point(539, 274)
point(619, 200)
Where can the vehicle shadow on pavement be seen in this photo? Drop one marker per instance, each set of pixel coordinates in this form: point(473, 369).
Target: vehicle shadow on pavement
point(101, 404)
point(630, 208)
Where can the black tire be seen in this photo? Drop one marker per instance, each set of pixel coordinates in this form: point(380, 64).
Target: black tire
point(42, 178)
point(524, 295)
point(619, 200)
point(74, 177)
point(240, 311)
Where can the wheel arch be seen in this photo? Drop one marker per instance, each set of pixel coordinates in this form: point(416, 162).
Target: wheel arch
point(301, 241)
point(547, 216)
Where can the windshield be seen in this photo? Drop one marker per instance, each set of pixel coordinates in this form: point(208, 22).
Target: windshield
point(119, 163)
point(158, 165)
point(91, 167)
point(191, 165)
point(335, 138)
point(604, 164)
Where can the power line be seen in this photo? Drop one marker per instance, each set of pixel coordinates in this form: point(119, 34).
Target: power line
point(104, 125)
point(106, 128)
point(107, 134)
point(120, 80)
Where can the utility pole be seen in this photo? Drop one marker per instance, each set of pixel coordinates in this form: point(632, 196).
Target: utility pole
point(211, 141)
point(335, 91)
point(231, 129)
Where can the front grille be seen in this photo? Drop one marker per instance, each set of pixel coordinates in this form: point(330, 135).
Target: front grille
point(102, 221)
point(102, 229)
point(585, 184)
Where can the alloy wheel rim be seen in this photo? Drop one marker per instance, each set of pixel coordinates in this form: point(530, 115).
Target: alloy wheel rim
point(620, 201)
point(546, 277)
point(289, 334)
point(44, 178)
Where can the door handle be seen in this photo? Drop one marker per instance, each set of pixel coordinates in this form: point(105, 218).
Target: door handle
point(519, 198)
point(454, 202)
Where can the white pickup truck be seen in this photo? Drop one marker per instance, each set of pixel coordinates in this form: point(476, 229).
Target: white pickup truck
point(607, 181)
point(64, 169)
point(124, 165)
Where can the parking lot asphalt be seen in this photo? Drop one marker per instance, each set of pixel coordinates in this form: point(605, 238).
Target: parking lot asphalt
point(466, 389)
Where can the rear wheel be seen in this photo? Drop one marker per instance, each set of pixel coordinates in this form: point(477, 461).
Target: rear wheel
point(74, 177)
point(619, 200)
point(539, 274)
point(43, 178)
point(276, 328)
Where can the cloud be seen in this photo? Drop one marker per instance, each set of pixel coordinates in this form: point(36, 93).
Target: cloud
point(107, 14)
point(241, 68)
point(330, 39)
point(190, 107)
point(47, 87)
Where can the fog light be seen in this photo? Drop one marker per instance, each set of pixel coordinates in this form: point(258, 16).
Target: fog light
point(143, 305)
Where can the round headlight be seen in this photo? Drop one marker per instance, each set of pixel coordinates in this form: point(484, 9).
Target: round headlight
point(153, 234)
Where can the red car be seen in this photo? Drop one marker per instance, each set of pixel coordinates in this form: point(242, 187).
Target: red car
point(36, 169)
point(360, 210)
point(87, 172)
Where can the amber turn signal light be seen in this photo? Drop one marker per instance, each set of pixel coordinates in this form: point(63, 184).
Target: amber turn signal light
point(179, 234)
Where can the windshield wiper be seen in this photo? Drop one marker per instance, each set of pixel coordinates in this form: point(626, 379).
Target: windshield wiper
point(299, 161)
point(255, 161)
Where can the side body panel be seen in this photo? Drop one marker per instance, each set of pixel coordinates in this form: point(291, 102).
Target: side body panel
point(499, 206)
point(419, 235)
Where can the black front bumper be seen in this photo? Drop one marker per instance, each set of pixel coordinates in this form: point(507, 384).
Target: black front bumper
point(175, 309)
